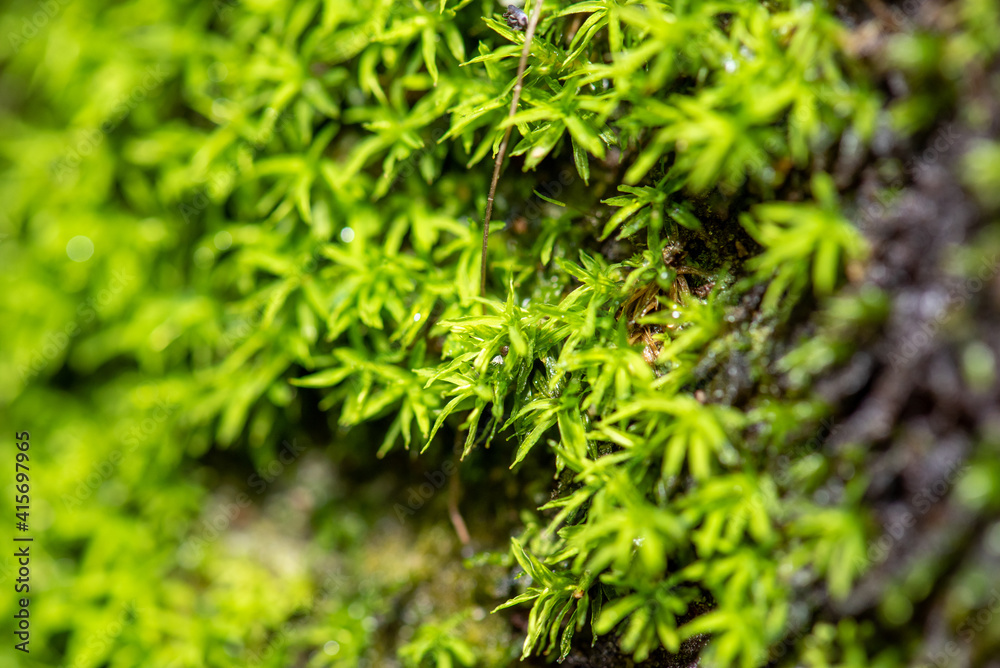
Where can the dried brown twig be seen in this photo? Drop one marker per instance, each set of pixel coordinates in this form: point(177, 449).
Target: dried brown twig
point(529, 33)
point(455, 492)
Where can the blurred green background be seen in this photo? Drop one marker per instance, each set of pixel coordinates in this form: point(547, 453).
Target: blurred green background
point(186, 509)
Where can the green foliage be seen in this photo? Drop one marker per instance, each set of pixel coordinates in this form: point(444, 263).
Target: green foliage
point(556, 598)
point(287, 218)
point(798, 238)
point(436, 645)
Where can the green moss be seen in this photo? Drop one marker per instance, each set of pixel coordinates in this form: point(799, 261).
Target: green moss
point(284, 200)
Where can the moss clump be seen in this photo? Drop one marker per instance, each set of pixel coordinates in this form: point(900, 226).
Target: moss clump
point(255, 228)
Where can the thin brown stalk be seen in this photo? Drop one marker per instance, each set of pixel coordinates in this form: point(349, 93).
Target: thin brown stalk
point(528, 35)
point(455, 493)
point(454, 514)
